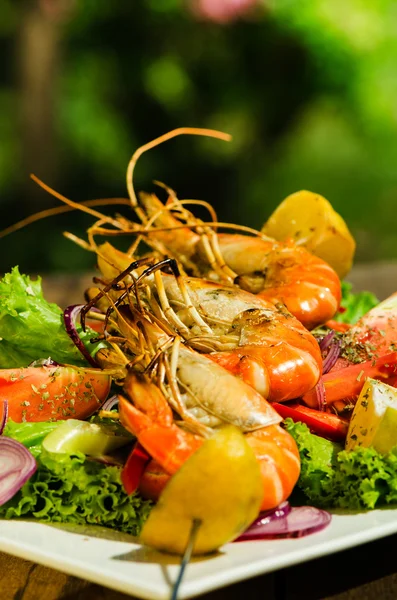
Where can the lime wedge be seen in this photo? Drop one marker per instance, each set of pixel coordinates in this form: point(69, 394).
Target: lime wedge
point(91, 439)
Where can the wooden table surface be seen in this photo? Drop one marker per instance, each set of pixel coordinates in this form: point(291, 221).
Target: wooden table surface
point(368, 572)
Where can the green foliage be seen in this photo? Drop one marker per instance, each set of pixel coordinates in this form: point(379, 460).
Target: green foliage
point(307, 89)
point(32, 328)
point(333, 478)
point(71, 488)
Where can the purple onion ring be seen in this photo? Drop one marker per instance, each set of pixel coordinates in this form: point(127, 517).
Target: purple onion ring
point(70, 315)
point(300, 521)
point(4, 416)
point(320, 395)
point(110, 403)
point(17, 465)
point(326, 341)
point(332, 356)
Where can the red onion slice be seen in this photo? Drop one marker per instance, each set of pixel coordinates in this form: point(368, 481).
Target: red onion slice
point(17, 465)
point(332, 356)
point(44, 362)
point(320, 395)
point(3, 415)
point(70, 315)
point(110, 403)
point(300, 521)
point(326, 341)
point(267, 516)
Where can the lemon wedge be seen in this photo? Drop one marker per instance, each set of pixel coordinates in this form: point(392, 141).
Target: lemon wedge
point(219, 486)
point(310, 220)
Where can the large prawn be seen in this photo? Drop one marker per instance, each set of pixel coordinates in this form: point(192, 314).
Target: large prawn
point(261, 343)
point(280, 272)
point(165, 378)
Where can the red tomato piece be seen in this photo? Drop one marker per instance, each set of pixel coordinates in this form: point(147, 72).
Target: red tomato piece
point(53, 393)
point(347, 383)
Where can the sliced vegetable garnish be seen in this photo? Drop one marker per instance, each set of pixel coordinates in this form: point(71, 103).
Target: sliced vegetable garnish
point(300, 521)
point(332, 356)
point(324, 424)
point(3, 414)
point(17, 465)
point(70, 315)
point(326, 341)
point(347, 383)
point(44, 393)
point(92, 439)
point(111, 403)
point(134, 468)
point(320, 393)
point(267, 516)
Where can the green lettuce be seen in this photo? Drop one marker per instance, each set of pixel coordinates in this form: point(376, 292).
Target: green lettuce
point(355, 305)
point(72, 489)
point(32, 328)
point(333, 478)
point(29, 434)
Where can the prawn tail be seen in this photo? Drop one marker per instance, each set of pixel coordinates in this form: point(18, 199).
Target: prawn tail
point(162, 439)
point(278, 457)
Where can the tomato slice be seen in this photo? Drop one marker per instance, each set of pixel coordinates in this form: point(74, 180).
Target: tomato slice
point(347, 383)
point(324, 424)
point(134, 468)
point(53, 393)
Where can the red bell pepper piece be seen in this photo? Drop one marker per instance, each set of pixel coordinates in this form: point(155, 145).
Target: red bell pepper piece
point(323, 424)
point(134, 468)
point(336, 326)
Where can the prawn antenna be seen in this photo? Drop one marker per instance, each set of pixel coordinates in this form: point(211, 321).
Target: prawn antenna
point(226, 137)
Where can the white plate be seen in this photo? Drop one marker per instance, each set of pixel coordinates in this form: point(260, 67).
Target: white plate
point(117, 562)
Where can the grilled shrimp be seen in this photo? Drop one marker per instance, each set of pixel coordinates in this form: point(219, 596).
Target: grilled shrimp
point(148, 416)
point(163, 377)
point(246, 334)
point(279, 272)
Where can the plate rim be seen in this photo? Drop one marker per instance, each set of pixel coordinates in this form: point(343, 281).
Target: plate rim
point(197, 585)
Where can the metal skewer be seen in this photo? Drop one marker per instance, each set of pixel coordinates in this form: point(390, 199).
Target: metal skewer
point(186, 557)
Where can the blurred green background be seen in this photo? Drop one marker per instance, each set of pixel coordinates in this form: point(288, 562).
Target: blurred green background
point(307, 89)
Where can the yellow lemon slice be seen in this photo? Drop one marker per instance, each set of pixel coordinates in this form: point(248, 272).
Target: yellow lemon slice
point(310, 220)
point(219, 486)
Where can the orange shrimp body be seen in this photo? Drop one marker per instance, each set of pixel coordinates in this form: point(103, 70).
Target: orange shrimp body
point(279, 461)
point(279, 271)
point(150, 420)
point(275, 355)
point(284, 272)
point(249, 336)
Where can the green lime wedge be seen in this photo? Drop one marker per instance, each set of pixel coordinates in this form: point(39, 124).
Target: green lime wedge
point(91, 439)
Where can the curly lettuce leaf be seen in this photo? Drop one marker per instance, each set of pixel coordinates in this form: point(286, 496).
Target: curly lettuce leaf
point(72, 489)
point(354, 306)
point(333, 478)
point(29, 434)
point(32, 328)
